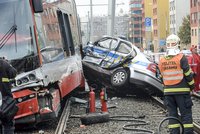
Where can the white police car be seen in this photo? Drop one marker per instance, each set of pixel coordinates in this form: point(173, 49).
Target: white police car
point(119, 64)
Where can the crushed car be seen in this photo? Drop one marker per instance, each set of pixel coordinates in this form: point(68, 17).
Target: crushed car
point(118, 64)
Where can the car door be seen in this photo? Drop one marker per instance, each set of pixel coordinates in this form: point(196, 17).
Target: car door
point(123, 52)
point(99, 51)
point(108, 59)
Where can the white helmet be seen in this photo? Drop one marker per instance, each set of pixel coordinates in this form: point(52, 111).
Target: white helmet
point(172, 44)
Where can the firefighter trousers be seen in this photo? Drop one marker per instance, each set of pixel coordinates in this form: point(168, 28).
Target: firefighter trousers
point(183, 103)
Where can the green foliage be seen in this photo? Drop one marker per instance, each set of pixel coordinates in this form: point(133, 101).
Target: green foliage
point(184, 31)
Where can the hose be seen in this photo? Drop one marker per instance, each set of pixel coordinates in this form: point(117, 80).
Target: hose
point(168, 118)
point(129, 126)
point(129, 118)
point(139, 130)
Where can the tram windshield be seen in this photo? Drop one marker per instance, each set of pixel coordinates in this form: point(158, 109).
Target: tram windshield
point(17, 41)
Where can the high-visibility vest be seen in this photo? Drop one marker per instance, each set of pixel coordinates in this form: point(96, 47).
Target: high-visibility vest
point(171, 70)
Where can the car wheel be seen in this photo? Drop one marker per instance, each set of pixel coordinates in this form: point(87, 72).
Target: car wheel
point(119, 77)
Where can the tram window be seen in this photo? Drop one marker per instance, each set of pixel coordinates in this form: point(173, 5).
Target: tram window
point(63, 33)
point(52, 54)
point(69, 34)
point(66, 33)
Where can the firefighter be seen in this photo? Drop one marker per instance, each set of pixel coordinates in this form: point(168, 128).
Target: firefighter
point(177, 82)
point(7, 72)
point(194, 62)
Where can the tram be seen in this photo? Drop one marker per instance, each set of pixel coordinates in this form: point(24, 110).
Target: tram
point(41, 39)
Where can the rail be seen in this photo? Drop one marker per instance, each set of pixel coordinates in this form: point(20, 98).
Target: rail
point(63, 119)
point(161, 104)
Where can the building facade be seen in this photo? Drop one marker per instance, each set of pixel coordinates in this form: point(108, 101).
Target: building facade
point(194, 22)
point(176, 14)
point(147, 14)
point(100, 27)
point(160, 23)
point(135, 24)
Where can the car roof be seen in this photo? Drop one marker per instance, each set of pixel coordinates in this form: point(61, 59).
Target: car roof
point(186, 52)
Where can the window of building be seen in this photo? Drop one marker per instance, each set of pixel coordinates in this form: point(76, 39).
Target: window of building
point(136, 12)
point(192, 32)
point(155, 11)
point(136, 25)
point(137, 32)
point(136, 5)
point(195, 3)
point(195, 32)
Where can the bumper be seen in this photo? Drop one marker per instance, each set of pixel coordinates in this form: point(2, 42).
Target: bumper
point(30, 108)
point(148, 83)
point(35, 118)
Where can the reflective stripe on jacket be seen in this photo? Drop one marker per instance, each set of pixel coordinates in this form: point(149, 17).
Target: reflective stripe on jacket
point(5, 80)
point(171, 70)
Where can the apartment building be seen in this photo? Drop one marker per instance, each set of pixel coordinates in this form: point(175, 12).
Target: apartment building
point(147, 14)
point(194, 22)
point(176, 14)
point(135, 24)
point(160, 23)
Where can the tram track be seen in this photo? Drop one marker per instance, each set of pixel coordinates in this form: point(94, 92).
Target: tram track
point(63, 118)
point(126, 106)
point(161, 104)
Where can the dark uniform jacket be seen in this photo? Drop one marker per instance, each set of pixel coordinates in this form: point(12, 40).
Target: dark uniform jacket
point(7, 72)
point(186, 84)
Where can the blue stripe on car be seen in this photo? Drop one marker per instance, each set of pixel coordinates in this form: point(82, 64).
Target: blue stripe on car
point(102, 52)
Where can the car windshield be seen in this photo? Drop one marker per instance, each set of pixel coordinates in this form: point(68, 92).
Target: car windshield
point(16, 29)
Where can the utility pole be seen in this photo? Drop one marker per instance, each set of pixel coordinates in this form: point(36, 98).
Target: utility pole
point(88, 27)
point(91, 21)
point(140, 21)
point(111, 17)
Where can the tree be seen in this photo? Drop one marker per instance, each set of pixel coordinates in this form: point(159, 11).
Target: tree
point(184, 31)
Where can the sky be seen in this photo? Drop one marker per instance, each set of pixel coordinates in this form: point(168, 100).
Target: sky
point(123, 5)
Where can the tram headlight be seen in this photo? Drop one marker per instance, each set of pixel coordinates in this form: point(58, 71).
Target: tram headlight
point(19, 99)
point(29, 78)
point(32, 77)
point(25, 80)
point(25, 98)
point(19, 82)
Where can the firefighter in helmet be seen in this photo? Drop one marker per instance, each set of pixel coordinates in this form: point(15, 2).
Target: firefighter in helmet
point(178, 82)
point(194, 62)
point(7, 72)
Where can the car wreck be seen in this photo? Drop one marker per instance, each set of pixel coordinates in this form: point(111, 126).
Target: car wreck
point(120, 65)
